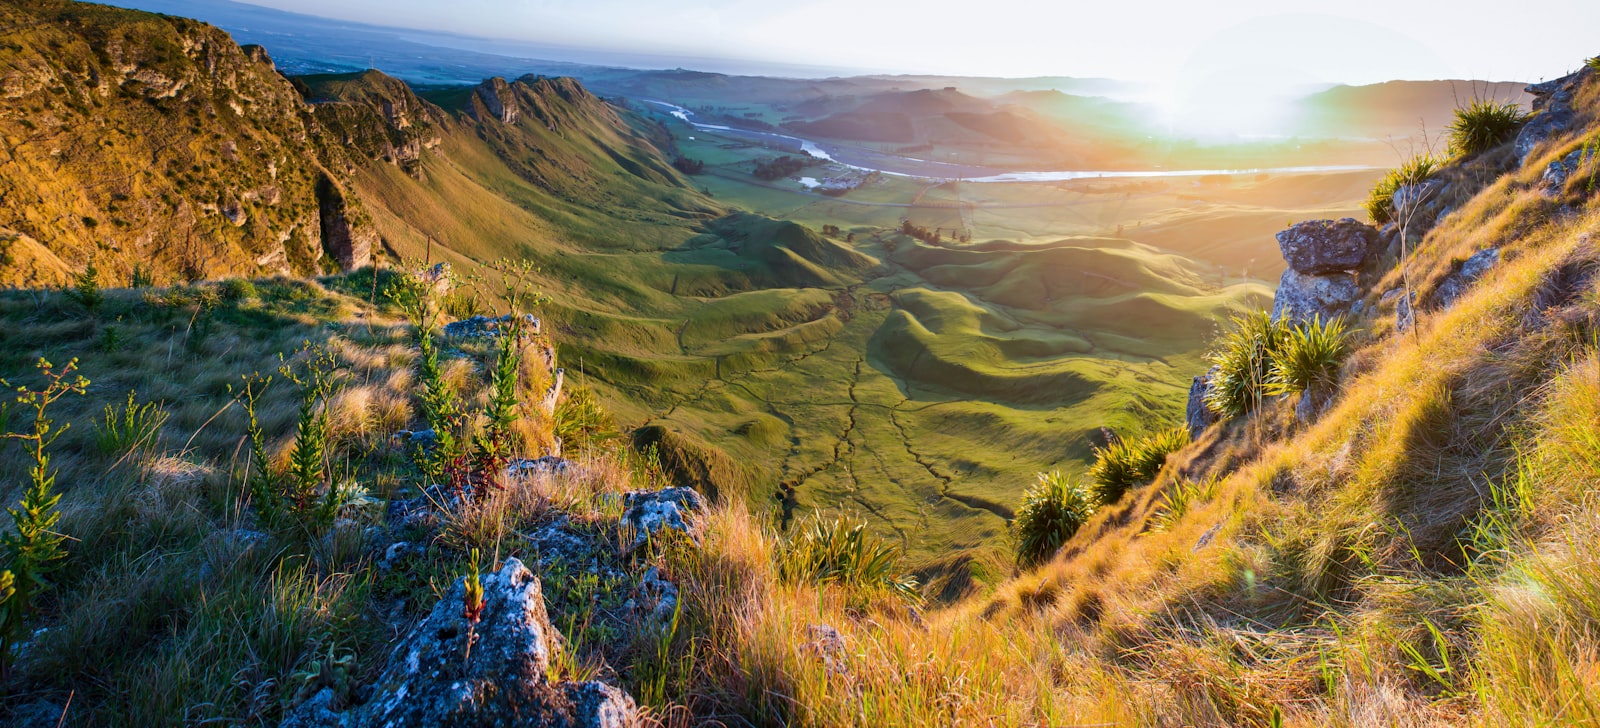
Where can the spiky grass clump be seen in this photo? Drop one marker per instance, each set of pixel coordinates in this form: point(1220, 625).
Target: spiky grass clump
point(1180, 500)
point(1123, 464)
point(840, 550)
point(1483, 125)
point(1243, 361)
point(1380, 201)
point(1051, 511)
point(130, 426)
point(1310, 357)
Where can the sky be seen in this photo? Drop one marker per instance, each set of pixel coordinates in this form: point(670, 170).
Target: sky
point(1179, 43)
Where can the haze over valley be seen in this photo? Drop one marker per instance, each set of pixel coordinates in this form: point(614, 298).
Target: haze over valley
point(774, 367)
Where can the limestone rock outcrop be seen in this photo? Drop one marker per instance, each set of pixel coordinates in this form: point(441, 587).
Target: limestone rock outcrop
point(1317, 247)
point(492, 671)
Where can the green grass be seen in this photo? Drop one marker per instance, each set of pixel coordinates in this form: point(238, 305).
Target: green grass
point(1050, 513)
point(1483, 125)
point(1126, 463)
point(1243, 362)
point(1309, 358)
point(1380, 201)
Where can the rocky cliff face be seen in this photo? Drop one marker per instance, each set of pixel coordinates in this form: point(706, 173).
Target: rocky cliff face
point(135, 139)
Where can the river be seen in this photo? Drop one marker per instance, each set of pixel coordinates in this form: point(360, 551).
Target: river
point(898, 166)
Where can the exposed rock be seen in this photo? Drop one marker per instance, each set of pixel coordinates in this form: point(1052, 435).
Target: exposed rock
point(1556, 175)
point(348, 244)
point(648, 512)
point(829, 644)
point(1300, 297)
point(481, 327)
point(1553, 114)
point(1418, 206)
point(656, 598)
point(1404, 311)
point(495, 672)
point(497, 98)
point(1318, 247)
point(1198, 416)
point(1471, 270)
point(547, 465)
point(1542, 126)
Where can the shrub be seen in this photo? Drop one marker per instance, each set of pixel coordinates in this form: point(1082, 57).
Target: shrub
point(235, 290)
point(1483, 125)
point(492, 446)
point(122, 429)
point(141, 277)
point(1309, 358)
point(1051, 511)
point(839, 550)
point(86, 288)
point(33, 548)
point(1380, 201)
point(1243, 364)
point(1123, 464)
point(310, 495)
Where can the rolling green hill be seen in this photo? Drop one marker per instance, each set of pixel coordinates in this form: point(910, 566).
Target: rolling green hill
point(919, 385)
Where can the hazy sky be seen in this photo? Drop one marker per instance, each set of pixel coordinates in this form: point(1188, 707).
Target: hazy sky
point(1268, 41)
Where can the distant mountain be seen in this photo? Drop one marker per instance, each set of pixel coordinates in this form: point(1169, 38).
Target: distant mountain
point(1396, 108)
point(138, 140)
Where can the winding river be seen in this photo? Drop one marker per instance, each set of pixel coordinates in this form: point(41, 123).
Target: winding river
point(908, 167)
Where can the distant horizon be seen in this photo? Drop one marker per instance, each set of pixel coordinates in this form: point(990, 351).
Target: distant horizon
point(1362, 42)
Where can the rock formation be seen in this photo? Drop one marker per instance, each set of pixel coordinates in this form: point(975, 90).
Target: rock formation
point(1323, 256)
point(452, 669)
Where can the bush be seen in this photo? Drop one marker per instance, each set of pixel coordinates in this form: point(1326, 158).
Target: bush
point(1309, 358)
point(122, 429)
point(1483, 125)
point(1051, 511)
point(1243, 364)
point(1380, 201)
point(86, 288)
point(1123, 464)
point(235, 290)
point(839, 550)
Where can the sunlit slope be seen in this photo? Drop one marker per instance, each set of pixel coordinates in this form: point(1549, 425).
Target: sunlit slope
point(918, 385)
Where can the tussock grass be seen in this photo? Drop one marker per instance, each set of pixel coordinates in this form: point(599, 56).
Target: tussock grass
point(840, 550)
point(1482, 125)
point(1243, 361)
point(1309, 358)
point(1123, 464)
point(1380, 201)
point(1050, 513)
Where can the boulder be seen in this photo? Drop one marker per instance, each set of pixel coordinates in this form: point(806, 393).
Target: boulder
point(1198, 416)
point(493, 672)
point(1300, 296)
point(655, 599)
point(547, 465)
point(1471, 270)
point(1317, 247)
point(486, 327)
point(1558, 172)
point(1543, 126)
point(1553, 114)
point(650, 511)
